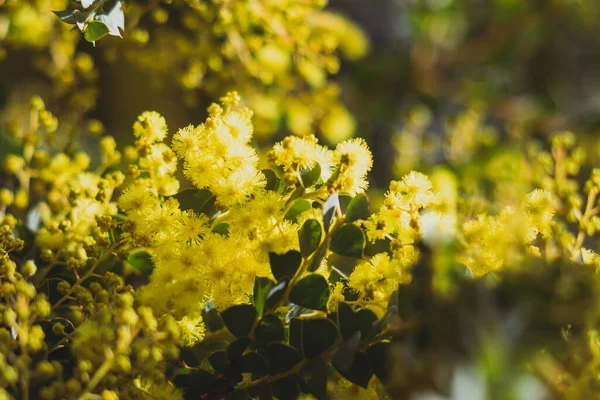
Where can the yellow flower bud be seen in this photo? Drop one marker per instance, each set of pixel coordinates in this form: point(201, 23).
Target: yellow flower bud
point(13, 164)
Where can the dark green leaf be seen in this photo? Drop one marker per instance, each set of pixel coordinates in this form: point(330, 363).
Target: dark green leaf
point(66, 16)
point(315, 260)
point(295, 332)
point(345, 199)
point(262, 286)
point(221, 229)
point(330, 210)
point(201, 381)
point(346, 321)
point(365, 319)
point(239, 319)
point(272, 179)
point(359, 372)
point(299, 191)
point(286, 388)
point(237, 347)
point(269, 329)
point(312, 292)
point(239, 394)
point(261, 392)
point(378, 355)
point(358, 208)
point(348, 240)
point(276, 294)
point(95, 30)
point(309, 237)
point(211, 317)
point(314, 378)
point(310, 176)
point(282, 357)
point(350, 321)
point(141, 261)
point(255, 364)
point(199, 200)
point(218, 360)
point(285, 265)
point(318, 335)
point(298, 208)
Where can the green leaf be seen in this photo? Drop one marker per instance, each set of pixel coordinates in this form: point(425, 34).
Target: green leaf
point(345, 199)
point(359, 372)
point(299, 191)
point(346, 320)
point(348, 240)
point(282, 358)
point(218, 360)
point(211, 317)
point(285, 265)
point(318, 256)
point(310, 176)
point(314, 378)
point(378, 355)
point(255, 364)
point(261, 391)
point(199, 200)
point(239, 319)
point(330, 210)
point(349, 321)
point(309, 237)
point(95, 30)
point(237, 348)
point(272, 179)
point(365, 319)
point(201, 381)
point(358, 208)
point(295, 333)
point(298, 208)
point(344, 355)
point(276, 294)
point(262, 286)
point(141, 261)
point(286, 388)
point(269, 329)
point(318, 335)
point(66, 16)
point(312, 292)
point(221, 229)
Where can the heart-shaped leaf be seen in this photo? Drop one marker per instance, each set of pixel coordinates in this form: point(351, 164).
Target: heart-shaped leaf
point(312, 292)
point(285, 265)
point(269, 329)
point(95, 30)
point(358, 208)
point(309, 237)
point(348, 240)
point(141, 261)
point(282, 358)
point(239, 319)
point(297, 208)
point(262, 286)
point(318, 335)
point(310, 176)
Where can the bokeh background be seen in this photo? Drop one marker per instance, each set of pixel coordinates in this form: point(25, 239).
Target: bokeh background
point(470, 72)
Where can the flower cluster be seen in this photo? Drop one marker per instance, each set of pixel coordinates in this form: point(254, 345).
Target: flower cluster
point(194, 262)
